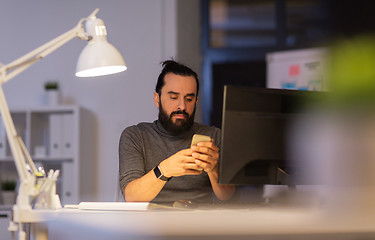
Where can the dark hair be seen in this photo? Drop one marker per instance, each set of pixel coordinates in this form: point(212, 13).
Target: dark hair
point(171, 66)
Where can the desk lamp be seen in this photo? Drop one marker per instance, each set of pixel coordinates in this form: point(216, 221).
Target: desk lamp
point(37, 190)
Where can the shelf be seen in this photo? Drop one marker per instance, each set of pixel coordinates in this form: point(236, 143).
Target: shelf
point(5, 207)
point(52, 136)
point(41, 159)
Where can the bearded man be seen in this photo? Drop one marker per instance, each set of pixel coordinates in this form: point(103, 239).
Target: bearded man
point(156, 162)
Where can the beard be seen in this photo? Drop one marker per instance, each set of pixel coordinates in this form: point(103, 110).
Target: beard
point(178, 127)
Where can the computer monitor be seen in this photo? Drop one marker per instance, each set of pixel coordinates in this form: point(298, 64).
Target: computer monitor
point(255, 130)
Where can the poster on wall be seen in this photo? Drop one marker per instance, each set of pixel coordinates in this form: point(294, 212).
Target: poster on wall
point(297, 69)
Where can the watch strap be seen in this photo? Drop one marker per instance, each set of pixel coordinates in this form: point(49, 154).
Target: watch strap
point(159, 175)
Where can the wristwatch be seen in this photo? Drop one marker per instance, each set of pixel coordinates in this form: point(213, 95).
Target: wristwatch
point(159, 175)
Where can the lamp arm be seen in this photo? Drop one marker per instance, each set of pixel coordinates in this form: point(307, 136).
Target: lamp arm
point(28, 191)
point(24, 62)
point(12, 137)
point(18, 66)
point(28, 173)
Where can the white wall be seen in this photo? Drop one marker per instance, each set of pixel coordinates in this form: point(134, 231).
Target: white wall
point(188, 40)
point(144, 31)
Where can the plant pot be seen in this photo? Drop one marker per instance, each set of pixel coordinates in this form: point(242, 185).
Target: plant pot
point(9, 197)
point(52, 97)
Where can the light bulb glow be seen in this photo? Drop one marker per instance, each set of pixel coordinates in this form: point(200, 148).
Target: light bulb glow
point(101, 71)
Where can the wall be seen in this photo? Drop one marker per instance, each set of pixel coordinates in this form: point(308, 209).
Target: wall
point(188, 40)
point(144, 31)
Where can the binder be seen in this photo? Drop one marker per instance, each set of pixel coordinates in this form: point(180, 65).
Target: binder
point(61, 135)
point(55, 133)
point(68, 135)
point(68, 189)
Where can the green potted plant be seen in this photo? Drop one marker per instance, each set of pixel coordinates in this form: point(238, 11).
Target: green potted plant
point(52, 92)
point(8, 185)
point(8, 192)
point(51, 85)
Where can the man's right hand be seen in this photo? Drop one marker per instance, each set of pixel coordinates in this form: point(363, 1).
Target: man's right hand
point(179, 164)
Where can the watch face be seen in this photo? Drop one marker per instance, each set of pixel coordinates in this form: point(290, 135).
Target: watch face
point(157, 172)
point(159, 175)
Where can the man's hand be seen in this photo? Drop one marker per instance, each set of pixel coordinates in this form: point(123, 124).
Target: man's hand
point(206, 156)
point(179, 164)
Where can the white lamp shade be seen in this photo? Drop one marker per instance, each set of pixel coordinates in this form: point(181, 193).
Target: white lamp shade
point(99, 58)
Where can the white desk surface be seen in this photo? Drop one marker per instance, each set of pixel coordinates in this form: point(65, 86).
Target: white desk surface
point(269, 223)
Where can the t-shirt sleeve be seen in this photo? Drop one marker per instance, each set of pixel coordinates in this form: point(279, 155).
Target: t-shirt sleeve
point(131, 156)
point(217, 139)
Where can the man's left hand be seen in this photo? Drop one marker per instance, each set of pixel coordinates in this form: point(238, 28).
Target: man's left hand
point(206, 155)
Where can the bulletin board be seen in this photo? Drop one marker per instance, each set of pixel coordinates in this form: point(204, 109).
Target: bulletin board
point(303, 69)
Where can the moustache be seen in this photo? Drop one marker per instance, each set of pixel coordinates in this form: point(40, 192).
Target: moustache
point(183, 112)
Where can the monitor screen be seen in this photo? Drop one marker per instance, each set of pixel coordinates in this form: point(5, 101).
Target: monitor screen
point(255, 127)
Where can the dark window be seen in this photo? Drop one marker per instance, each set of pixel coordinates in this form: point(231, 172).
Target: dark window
point(237, 35)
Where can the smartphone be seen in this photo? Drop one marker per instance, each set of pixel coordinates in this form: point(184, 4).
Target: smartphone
point(199, 138)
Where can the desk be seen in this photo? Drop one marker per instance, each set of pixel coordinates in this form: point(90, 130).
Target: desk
point(257, 223)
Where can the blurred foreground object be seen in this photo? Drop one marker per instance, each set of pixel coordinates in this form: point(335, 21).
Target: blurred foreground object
point(336, 140)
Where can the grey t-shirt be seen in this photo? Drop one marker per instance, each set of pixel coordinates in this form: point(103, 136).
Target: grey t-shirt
point(144, 146)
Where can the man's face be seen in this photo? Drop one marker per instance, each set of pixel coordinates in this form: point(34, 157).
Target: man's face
point(177, 102)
